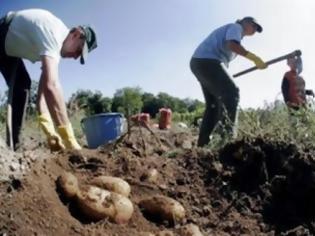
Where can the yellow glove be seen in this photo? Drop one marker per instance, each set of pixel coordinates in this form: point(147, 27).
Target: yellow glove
point(53, 139)
point(257, 60)
point(67, 135)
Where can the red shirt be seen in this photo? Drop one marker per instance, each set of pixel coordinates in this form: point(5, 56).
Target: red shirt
point(293, 89)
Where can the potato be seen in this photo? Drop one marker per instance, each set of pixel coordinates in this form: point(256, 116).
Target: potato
point(112, 184)
point(68, 184)
point(97, 204)
point(151, 175)
point(145, 234)
point(163, 208)
point(190, 230)
point(165, 233)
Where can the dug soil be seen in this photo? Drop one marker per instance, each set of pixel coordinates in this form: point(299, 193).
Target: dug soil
point(249, 187)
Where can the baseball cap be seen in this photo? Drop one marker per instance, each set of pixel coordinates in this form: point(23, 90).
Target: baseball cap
point(254, 21)
point(90, 42)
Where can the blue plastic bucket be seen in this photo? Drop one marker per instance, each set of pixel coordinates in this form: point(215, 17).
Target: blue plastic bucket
point(102, 128)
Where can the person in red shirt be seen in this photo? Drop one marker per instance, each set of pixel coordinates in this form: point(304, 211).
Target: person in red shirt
point(293, 85)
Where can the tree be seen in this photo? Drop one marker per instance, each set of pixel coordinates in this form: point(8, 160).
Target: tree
point(91, 102)
point(128, 100)
point(165, 100)
point(175, 104)
point(96, 104)
point(131, 100)
point(180, 105)
point(150, 104)
point(79, 100)
point(194, 105)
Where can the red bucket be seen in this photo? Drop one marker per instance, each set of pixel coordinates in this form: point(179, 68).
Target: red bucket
point(165, 118)
point(144, 117)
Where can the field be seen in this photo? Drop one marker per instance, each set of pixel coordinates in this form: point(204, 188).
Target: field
point(263, 183)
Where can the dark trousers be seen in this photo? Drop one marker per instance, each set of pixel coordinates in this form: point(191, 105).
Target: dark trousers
point(221, 97)
point(19, 83)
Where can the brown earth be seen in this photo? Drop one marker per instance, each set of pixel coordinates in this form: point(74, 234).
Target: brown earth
point(250, 187)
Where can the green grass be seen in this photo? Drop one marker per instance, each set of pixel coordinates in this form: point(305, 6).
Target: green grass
point(275, 122)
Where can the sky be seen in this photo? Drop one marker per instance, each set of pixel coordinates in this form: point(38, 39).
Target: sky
point(149, 43)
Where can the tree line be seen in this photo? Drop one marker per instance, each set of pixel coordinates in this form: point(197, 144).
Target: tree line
point(131, 100)
point(128, 100)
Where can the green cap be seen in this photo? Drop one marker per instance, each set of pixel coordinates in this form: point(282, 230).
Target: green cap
point(90, 42)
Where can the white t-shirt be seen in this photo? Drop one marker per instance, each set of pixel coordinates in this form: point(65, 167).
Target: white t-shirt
point(34, 33)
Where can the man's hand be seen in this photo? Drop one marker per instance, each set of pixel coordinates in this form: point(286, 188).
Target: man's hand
point(67, 135)
point(55, 143)
point(53, 139)
point(257, 60)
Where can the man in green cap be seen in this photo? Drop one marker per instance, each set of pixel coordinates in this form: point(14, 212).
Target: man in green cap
point(38, 35)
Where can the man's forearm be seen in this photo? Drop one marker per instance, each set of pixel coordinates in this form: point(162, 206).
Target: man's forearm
point(237, 48)
point(51, 97)
point(51, 94)
point(56, 105)
point(41, 101)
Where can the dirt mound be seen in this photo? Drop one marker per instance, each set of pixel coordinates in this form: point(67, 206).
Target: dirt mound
point(253, 187)
point(16, 164)
point(277, 177)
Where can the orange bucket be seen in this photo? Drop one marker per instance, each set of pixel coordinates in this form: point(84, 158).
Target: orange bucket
point(165, 118)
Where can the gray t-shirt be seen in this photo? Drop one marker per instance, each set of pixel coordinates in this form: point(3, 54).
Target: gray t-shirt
point(214, 46)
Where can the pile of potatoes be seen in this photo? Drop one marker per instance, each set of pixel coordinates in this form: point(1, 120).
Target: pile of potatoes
point(105, 197)
point(108, 197)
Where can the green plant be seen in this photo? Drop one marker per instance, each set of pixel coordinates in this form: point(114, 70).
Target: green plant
point(276, 122)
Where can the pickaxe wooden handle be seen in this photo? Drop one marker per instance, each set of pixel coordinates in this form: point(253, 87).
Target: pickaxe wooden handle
point(292, 54)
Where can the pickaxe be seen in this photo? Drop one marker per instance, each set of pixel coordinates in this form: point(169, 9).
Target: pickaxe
point(296, 53)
